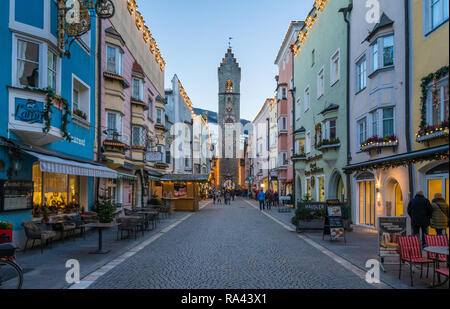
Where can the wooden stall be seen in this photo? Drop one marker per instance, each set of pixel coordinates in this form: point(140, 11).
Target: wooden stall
point(182, 191)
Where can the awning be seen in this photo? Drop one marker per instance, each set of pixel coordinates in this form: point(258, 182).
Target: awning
point(52, 164)
point(153, 175)
point(428, 154)
point(185, 178)
point(126, 176)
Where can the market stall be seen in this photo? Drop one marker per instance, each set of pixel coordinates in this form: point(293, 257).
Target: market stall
point(182, 191)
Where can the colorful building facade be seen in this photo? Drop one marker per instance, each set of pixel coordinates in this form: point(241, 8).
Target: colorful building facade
point(320, 80)
point(285, 103)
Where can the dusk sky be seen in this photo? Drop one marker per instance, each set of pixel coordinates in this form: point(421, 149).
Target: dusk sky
point(193, 38)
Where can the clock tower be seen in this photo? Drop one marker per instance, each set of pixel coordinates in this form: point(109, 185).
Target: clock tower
point(228, 119)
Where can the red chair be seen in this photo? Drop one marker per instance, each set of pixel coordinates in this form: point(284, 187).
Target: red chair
point(411, 252)
point(436, 241)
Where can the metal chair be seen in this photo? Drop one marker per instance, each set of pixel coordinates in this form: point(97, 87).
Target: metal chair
point(411, 252)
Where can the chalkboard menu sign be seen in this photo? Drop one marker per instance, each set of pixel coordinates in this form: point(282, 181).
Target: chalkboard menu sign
point(16, 195)
point(334, 223)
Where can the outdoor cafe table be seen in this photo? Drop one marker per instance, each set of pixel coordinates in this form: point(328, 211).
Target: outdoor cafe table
point(148, 212)
point(439, 250)
point(100, 227)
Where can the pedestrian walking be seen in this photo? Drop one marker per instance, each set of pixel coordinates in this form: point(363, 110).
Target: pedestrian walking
point(268, 199)
point(420, 211)
point(276, 199)
point(219, 197)
point(214, 193)
point(227, 197)
point(261, 197)
point(439, 217)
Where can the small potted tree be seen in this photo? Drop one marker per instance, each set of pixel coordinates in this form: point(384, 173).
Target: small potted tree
point(6, 232)
point(105, 209)
point(308, 219)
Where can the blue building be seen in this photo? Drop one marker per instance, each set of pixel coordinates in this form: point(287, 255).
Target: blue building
point(48, 115)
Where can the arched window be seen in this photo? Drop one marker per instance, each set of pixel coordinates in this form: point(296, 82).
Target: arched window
point(229, 86)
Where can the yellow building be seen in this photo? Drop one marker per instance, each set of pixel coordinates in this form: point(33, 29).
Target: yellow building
point(430, 94)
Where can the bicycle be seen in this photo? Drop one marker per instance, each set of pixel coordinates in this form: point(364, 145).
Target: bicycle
point(11, 275)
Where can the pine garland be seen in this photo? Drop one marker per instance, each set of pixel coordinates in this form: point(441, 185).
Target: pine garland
point(48, 111)
point(424, 85)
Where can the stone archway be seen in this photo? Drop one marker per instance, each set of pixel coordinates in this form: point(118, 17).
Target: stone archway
point(393, 198)
point(336, 187)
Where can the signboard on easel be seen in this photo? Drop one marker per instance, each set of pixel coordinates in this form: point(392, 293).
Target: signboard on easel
point(389, 229)
point(334, 223)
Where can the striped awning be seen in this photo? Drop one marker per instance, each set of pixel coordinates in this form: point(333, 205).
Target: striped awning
point(126, 176)
point(52, 164)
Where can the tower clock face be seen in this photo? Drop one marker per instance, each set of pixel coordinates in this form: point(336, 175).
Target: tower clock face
point(229, 108)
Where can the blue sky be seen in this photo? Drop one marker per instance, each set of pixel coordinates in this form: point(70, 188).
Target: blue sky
point(193, 38)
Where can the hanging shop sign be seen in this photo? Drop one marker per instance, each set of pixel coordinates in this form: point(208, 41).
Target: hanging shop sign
point(29, 111)
point(74, 18)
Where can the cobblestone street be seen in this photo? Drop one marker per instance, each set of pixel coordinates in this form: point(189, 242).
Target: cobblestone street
point(230, 247)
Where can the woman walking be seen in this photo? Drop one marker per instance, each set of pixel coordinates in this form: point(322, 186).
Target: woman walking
point(439, 217)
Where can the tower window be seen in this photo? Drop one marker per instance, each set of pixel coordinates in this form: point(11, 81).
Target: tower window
point(229, 86)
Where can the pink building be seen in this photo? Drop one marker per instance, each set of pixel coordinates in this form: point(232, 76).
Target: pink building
point(131, 82)
point(285, 104)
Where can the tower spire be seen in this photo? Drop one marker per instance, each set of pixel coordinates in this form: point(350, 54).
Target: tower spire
point(229, 42)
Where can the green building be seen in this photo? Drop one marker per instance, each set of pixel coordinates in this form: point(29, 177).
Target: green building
point(320, 90)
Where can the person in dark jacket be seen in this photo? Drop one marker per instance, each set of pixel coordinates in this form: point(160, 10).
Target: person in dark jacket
point(420, 211)
point(439, 218)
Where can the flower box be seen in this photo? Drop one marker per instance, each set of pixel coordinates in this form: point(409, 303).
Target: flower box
point(376, 142)
point(435, 133)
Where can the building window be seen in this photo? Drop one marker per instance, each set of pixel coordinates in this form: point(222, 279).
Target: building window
point(138, 136)
point(306, 99)
point(362, 131)
point(300, 146)
point(138, 89)
point(298, 110)
point(113, 60)
point(388, 51)
point(168, 155)
point(150, 108)
point(361, 74)
point(28, 62)
point(374, 127)
point(388, 122)
point(329, 130)
point(284, 93)
point(438, 103)
point(308, 142)
point(321, 189)
point(375, 60)
point(80, 99)
point(366, 203)
point(282, 124)
point(438, 13)
point(308, 189)
point(52, 60)
point(335, 68)
point(320, 83)
point(159, 116)
point(113, 126)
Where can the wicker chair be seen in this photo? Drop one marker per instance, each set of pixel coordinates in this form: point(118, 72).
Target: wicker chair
point(128, 225)
point(34, 232)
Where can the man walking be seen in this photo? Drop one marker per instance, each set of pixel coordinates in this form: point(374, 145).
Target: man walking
point(261, 197)
point(420, 211)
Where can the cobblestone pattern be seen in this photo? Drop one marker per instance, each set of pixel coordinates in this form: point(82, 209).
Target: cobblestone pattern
point(229, 247)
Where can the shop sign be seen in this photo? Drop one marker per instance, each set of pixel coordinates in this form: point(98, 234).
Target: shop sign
point(153, 156)
point(29, 111)
point(389, 229)
point(180, 191)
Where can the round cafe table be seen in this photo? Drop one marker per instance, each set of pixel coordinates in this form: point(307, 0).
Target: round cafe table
point(439, 250)
point(100, 227)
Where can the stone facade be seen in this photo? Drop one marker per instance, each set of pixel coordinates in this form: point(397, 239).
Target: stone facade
point(229, 74)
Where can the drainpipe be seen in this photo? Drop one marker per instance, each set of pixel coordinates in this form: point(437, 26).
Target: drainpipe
point(292, 91)
point(407, 99)
point(346, 11)
point(99, 103)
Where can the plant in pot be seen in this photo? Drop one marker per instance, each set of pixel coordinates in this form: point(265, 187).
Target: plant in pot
point(5, 232)
point(346, 217)
point(45, 216)
point(309, 218)
point(155, 201)
point(105, 209)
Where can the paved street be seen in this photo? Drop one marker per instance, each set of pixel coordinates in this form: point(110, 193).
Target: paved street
point(231, 247)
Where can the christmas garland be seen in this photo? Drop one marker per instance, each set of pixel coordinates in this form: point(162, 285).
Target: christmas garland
point(424, 85)
point(51, 97)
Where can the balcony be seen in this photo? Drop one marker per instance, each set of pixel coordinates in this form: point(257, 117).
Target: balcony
point(115, 141)
point(138, 103)
point(378, 143)
point(325, 144)
point(299, 157)
point(431, 133)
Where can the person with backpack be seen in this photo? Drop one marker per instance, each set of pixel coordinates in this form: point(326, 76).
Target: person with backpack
point(439, 216)
point(420, 211)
